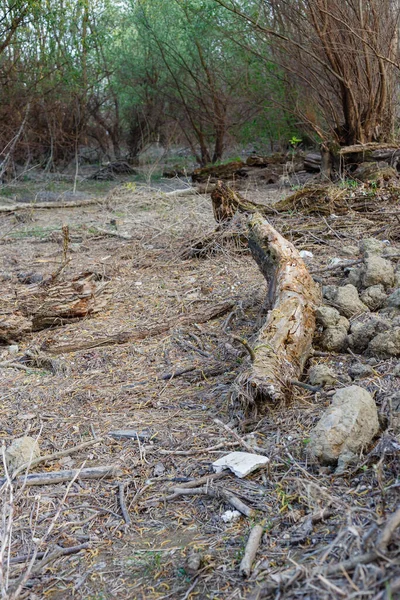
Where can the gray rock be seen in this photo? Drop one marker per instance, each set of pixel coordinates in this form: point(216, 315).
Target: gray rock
point(370, 246)
point(344, 323)
point(334, 339)
point(374, 297)
point(362, 333)
point(393, 300)
point(354, 276)
point(394, 400)
point(159, 470)
point(350, 250)
point(347, 426)
point(390, 251)
point(386, 344)
point(358, 371)
point(22, 450)
point(377, 270)
point(329, 292)
point(321, 375)
point(327, 316)
point(348, 302)
point(396, 370)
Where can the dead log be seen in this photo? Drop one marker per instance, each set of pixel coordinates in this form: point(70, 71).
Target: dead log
point(284, 342)
point(53, 477)
point(49, 305)
point(13, 327)
point(312, 162)
point(232, 170)
point(204, 315)
point(10, 208)
point(63, 303)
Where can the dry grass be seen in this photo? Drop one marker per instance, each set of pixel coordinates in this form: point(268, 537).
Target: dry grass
point(127, 386)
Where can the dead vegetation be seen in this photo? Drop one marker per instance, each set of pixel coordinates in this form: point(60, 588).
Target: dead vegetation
point(138, 533)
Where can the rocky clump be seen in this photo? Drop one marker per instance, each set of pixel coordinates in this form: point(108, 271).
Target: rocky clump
point(372, 246)
point(334, 336)
point(374, 297)
point(346, 427)
point(321, 375)
point(359, 371)
point(361, 333)
point(22, 451)
point(345, 299)
point(367, 289)
point(386, 344)
point(377, 271)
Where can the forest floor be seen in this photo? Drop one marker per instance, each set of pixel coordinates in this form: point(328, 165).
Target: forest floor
point(140, 385)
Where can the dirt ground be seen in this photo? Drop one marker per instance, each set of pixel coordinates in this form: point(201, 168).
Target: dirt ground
point(140, 386)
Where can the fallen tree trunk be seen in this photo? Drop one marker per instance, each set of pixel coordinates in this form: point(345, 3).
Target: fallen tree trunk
point(10, 208)
point(284, 342)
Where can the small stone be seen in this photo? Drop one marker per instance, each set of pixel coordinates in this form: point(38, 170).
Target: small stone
point(306, 254)
point(334, 339)
point(396, 370)
point(159, 470)
point(343, 323)
point(370, 246)
point(354, 276)
point(374, 297)
point(13, 349)
point(22, 450)
point(321, 375)
point(348, 425)
point(359, 370)
point(193, 563)
point(386, 344)
point(391, 251)
point(394, 400)
point(377, 270)
point(348, 302)
point(350, 250)
point(362, 333)
point(327, 316)
point(393, 300)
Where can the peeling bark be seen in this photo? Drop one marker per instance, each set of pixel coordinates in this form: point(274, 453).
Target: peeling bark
point(284, 342)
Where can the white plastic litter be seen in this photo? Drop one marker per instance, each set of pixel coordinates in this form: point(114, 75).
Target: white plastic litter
point(230, 515)
point(306, 254)
point(240, 463)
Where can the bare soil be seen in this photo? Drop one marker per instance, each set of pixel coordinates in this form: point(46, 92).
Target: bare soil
point(138, 385)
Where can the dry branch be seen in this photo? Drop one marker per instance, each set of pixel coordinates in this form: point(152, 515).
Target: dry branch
point(203, 316)
point(250, 552)
point(216, 492)
point(10, 208)
point(55, 456)
point(286, 578)
point(62, 476)
point(284, 342)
